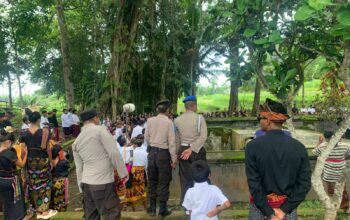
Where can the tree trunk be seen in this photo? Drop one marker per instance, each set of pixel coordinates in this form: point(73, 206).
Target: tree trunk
point(10, 90)
point(330, 214)
point(124, 34)
point(235, 77)
point(344, 69)
point(163, 81)
point(256, 102)
point(21, 102)
point(18, 71)
point(332, 203)
point(67, 76)
point(232, 108)
point(191, 75)
point(174, 100)
point(303, 95)
point(140, 88)
point(289, 122)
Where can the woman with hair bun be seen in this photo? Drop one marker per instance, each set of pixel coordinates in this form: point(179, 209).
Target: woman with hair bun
point(39, 166)
point(11, 192)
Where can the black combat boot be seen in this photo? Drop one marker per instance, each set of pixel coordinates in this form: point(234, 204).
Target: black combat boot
point(164, 210)
point(152, 207)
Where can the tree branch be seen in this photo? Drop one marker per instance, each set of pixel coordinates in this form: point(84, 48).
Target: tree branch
point(300, 72)
point(316, 176)
point(279, 55)
point(319, 53)
point(344, 68)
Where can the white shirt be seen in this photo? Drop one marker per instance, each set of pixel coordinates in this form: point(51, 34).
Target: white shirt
point(118, 132)
point(70, 117)
point(303, 110)
point(144, 146)
point(44, 122)
point(140, 157)
point(24, 126)
point(66, 120)
point(125, 152)
point(311, 110)
point(136, 131)
point(201, 199)
point(76, 119)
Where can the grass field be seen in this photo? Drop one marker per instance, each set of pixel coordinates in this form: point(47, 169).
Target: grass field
point(207, 103)
point(220, 101)
point(308, 210)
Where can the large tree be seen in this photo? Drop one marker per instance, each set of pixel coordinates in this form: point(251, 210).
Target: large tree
point(328, 26)
point(66, 58)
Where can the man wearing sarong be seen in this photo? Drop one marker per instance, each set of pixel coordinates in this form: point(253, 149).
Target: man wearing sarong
point(277, 168)
point(66, 124)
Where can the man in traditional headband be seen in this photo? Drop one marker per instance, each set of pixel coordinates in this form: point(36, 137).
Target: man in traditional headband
point(277, 168)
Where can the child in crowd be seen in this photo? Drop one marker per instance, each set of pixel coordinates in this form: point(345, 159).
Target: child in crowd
point(204, 201)
point(125, 152)
point(11, 192)
point(60, 179)
point(136, 192)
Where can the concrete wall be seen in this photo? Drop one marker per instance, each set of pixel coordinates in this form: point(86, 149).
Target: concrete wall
point(231, 179)
point(252, 123)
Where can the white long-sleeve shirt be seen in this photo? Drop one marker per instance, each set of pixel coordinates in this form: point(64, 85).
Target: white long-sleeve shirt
point(136, 131)
point(66, 120)
point(76, 119)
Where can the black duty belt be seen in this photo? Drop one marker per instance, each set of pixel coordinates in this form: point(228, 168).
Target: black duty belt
point(157, 149)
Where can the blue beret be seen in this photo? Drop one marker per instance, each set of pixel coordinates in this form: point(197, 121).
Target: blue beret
point(190, 98)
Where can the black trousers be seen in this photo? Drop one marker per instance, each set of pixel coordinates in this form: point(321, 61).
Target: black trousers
point(186, 180)
point(159, 173)
point(100, 200)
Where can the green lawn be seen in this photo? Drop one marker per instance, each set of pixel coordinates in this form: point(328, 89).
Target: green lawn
point(211, 103)
point(312, 209)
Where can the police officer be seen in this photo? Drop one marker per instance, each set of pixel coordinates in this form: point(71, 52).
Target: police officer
point(160, 137)
point(191, 134)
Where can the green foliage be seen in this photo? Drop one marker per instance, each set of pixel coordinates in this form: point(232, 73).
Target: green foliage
point(343, 16)
point(249, 32)
point(176, 43)
point(334, 100)
point(303, 13)
point(319, 4)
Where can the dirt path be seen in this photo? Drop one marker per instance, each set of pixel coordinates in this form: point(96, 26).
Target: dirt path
point(75, 198)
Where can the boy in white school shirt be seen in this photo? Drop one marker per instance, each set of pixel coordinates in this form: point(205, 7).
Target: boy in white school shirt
point(204, 201)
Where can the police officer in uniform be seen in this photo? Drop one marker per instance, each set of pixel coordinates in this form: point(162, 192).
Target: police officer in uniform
point(160, 137)
point(191, 135)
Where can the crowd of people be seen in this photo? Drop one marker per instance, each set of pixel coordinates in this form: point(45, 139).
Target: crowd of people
point(156, 145)
point(121, 165)
point(33, 170)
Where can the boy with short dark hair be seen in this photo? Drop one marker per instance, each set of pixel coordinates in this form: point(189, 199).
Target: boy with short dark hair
point(204, 201)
